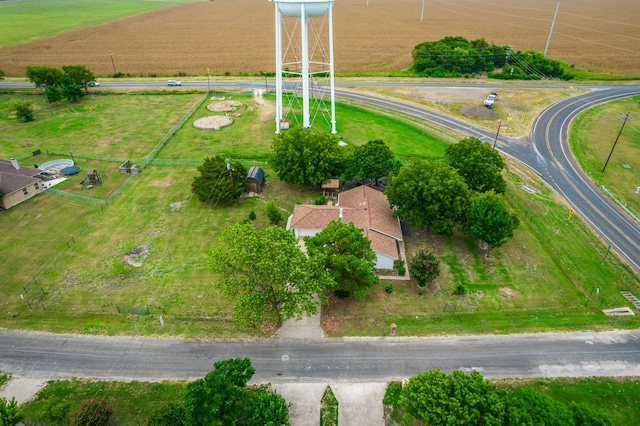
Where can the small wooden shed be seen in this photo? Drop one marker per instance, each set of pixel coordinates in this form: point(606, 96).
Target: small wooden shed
point(255, 179)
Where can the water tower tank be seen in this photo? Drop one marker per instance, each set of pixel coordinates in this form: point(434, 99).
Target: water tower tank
point(303, 65)
point(311, 7)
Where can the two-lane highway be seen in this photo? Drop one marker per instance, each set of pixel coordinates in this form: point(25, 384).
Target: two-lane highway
point(44, 355)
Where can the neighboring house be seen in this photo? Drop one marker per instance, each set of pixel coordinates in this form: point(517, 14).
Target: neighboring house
point(366, 208)
point(255, 179)
point(18, 183)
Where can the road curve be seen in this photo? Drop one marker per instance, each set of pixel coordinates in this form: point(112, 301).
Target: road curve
point(558, 166)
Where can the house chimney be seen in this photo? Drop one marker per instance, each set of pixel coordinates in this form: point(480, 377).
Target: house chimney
point(340, 216)
point(15, 164)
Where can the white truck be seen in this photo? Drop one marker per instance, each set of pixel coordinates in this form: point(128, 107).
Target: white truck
point(488, 103)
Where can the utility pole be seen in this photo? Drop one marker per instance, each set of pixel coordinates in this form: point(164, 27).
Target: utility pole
point(422, 14)
point(113, 63)
point(626, 118)
point(208, 87)
point(497, 133)
point(551, 30)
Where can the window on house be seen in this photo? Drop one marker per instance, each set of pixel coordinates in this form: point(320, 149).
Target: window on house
point(25, 191)
point(36, 186)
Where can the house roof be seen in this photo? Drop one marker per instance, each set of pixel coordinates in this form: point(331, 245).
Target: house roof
point(12, 179)
point(366, 208)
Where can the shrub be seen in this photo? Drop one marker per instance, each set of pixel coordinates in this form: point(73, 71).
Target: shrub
point(10, 413)
point(425, 267)
point(118, 75)
point(56, 412)
point(388, 288)
point(273, 213)
point(321, 201)
point(392, 394)
point(23, 110)
point(172, 414)
point(252, 215)
point(399, 266)
point(2, 74)
point(460, 290)
point(91, 413)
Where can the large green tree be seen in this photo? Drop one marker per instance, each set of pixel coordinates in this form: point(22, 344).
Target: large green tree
point(219, 181)
point(490, 220)
point(346, 254)
point(429, 194)
point(219, 397)
point(478, 163)
point(41, 75)
point(266, 275)
point(305, 157)
point(437, 398)
point(80, 75)
point(222, 398)
point(372, 160)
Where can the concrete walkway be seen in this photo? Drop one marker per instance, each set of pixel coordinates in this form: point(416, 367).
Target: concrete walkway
point(358, 403)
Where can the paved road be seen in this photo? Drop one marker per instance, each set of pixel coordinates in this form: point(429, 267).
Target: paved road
point(320, 360)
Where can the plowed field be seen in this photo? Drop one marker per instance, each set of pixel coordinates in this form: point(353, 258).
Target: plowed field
point(237, 36)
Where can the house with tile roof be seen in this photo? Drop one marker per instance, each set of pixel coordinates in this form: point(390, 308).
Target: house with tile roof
point(18, 183)
point(366, 208)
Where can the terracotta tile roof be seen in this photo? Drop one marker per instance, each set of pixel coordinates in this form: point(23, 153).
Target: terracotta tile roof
point(366, 208)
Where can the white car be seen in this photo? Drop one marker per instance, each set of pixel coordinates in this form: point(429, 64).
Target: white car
point(173, 83)
point(94, 84)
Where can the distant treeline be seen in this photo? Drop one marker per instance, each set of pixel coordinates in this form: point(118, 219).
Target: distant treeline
point(458, 57)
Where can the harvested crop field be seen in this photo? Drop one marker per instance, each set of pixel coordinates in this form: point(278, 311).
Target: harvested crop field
point(237, 36)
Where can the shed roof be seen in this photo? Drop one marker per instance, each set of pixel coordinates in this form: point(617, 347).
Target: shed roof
point(256, 173)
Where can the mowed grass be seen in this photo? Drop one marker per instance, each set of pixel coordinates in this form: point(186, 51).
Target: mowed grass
point(27, 20)
point(113, 125)
point(66, 257)
point(592, 137)
point(252, 132)
point(132, 402)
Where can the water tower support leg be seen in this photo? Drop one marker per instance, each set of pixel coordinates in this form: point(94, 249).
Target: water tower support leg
point(278, 69)
point(304, 20)
point(331, 76)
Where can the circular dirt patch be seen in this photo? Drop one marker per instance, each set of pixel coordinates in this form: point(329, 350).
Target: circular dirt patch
point(215, 122)
point(478, 112)
point(224, 106)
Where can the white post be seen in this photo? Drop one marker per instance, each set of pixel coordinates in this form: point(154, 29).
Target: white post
point(278, 69)
point(304, 21)
point(331, 76)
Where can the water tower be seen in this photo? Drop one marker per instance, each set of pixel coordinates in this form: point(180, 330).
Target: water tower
point(306, 67)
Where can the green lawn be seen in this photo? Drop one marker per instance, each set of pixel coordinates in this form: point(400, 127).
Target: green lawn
point(132, 402)
point(19, 23)
point(592, 136)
